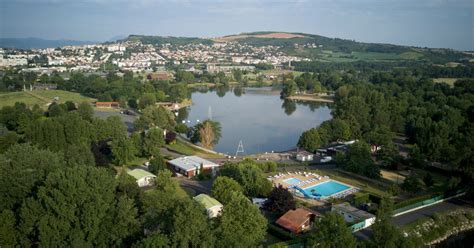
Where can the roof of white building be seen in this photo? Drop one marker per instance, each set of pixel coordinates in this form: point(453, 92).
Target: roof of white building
point(191, 163)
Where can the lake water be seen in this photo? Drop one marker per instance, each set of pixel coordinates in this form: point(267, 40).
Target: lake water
point(257, 116)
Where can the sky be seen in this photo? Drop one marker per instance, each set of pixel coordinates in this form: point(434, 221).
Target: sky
point(424, 23)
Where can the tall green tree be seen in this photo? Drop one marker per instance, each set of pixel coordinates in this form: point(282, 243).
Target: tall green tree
point(241, 224)
point(280, 200)
point(385, 234)
point(23, 168)
point(78, 207)
point(310, 140)
point(153, 141)
point(223, 189)
point(331, 232)
point(86, 111)
point(123, 150)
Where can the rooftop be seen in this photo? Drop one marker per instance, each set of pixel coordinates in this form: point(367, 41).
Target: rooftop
point(207, 201)
point(346, 208)
point(139, 173)
point(293, 219)
point(191, 163)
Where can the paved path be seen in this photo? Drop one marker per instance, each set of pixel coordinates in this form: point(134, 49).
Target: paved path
point(199, 186)
point(408, 218)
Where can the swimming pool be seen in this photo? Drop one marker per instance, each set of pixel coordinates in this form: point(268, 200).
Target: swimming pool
point(292, 181)
point(326, 189)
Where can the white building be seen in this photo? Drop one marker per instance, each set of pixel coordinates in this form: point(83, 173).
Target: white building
point(191, 166)
point(213, 206)
point(353, 215)
point(304, 156)
point(143, 177)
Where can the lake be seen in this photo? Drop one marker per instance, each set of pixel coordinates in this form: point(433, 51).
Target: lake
point(257, 116)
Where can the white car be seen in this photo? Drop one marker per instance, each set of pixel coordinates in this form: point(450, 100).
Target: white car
point(326, 159)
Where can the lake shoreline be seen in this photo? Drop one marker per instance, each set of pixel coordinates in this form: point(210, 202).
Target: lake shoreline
point(311, 98)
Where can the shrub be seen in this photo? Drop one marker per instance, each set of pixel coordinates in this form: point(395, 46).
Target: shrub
point(361, 198)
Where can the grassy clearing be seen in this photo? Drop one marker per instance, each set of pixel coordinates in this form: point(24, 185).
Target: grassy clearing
point(448, 81)
point(392, 176)
point(41, 97)
point(363, 185)
point(186, 149)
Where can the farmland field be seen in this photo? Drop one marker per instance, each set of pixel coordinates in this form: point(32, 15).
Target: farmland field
point(448, 81)
point(41, 97)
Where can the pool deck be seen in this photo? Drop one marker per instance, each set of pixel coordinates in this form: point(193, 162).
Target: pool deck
point(280, 178)
point(308, 179)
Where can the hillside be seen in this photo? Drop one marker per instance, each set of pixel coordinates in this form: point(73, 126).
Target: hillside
point(323, 49)
point(41, 97)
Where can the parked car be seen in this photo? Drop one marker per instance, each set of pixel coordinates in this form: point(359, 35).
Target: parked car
point(326, 159)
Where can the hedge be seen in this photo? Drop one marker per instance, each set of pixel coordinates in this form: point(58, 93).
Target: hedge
point(279, 232)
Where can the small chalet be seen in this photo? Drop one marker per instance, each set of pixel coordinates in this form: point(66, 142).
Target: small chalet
point(191, 166)
point(107, 104)
point(212, 206)
point(298, 220)
point(159, 76)
point(304, 156)
point(352, 214)
point(143, 177)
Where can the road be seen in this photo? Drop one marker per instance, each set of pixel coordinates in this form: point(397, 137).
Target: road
point(408, 218)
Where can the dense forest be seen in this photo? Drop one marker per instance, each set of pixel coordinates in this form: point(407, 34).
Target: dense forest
point(377, 107)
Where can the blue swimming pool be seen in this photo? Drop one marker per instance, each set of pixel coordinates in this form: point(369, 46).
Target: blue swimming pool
point(326, 189)
point(292, 181)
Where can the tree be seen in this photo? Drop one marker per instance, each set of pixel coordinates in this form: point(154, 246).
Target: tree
point(208, 132)
point(310, 140)
point(86, 111)
point(241, 223)
point(77, 206)
point(331, 232)
point(153, 241)
point(280, 200)
point(413, 183)
point(224, 187)
point(8, 229)
point(123, 151)
point(250, 176)
point(79, 154)
point(153, 141)
point(359, 160)
point(157, 164)
point(289, 89)
point(23, 169)
point(155, 117)
point(385, 234)
point(148, 99)
point(186, 225)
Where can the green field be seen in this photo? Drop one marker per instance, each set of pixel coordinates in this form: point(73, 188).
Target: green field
point(448, 81)
point(184, 148)
point(41, 97)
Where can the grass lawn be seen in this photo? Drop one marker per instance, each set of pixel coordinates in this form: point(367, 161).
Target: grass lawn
point(184, 148)
point(359, 183)
point(137, 161)
point(41, 97)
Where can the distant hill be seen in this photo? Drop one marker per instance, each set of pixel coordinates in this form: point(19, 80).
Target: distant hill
point(31, 43)
point(323, 49)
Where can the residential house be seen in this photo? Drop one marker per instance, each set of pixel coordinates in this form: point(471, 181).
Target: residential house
point(143, 177)
point(361, 218)
point(298, 220)
point(304, 156)
point(191, 166)
point(212, 206)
